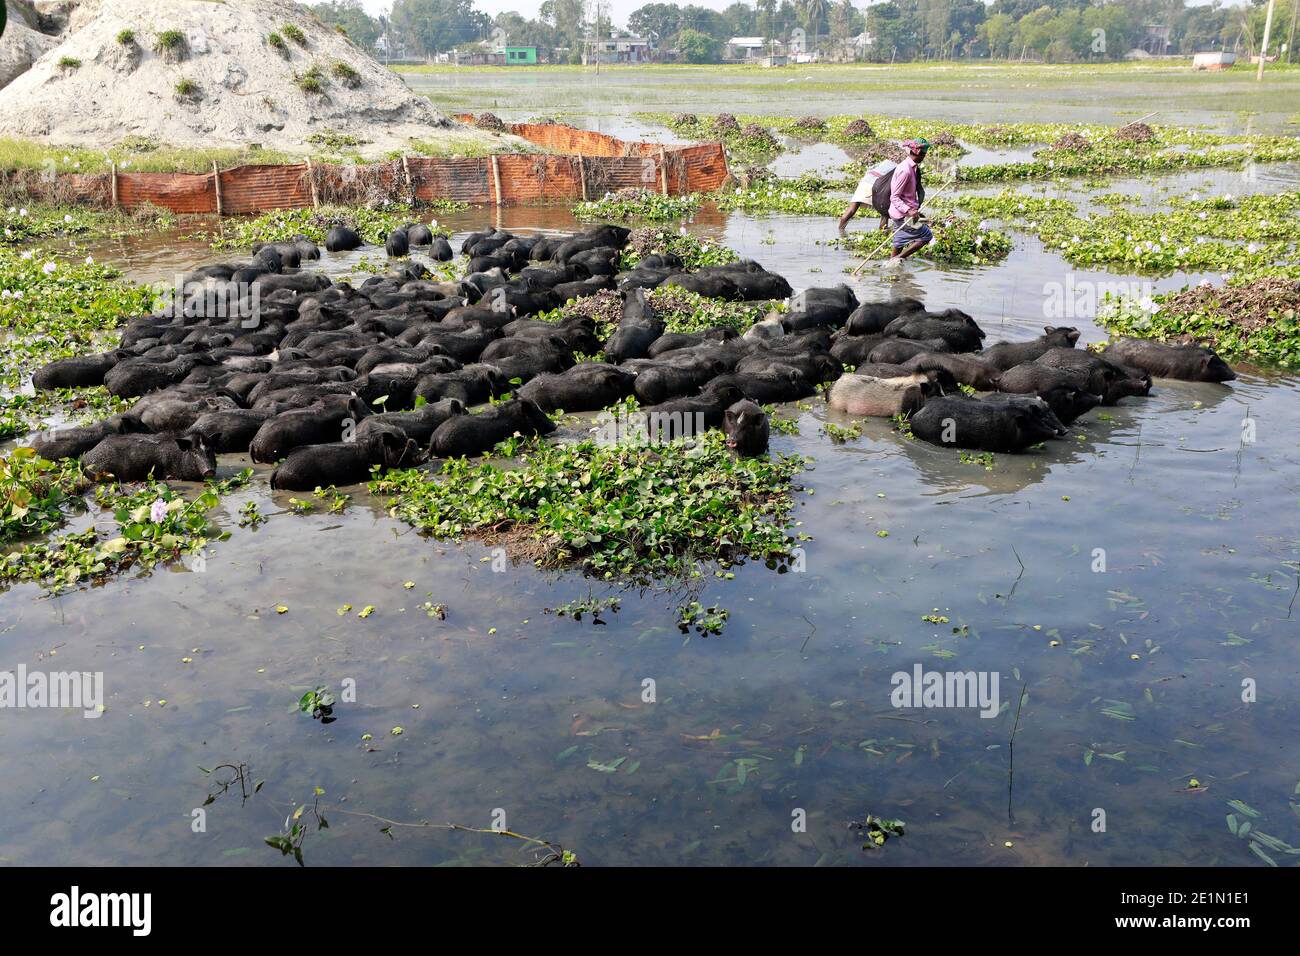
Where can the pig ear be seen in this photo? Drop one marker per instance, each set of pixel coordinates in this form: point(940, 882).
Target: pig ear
point(184, 443)
point(1049, 329)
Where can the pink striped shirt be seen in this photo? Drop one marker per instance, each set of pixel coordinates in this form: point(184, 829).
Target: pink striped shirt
point(902, 190)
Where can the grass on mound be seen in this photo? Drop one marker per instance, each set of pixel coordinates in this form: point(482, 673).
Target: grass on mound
point(630, 512)
point(132, 155)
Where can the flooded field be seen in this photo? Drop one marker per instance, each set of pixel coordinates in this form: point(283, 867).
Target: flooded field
point(1122, 583)
point(974, 93)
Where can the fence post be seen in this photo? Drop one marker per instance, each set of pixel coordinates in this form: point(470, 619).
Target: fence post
point(496, 178)
point(663, 171)
point(216, 183)
point(582, 176)
point(311, 183)
point(113, 182)
point(410, 185)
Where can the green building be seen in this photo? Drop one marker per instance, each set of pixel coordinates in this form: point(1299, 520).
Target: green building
point(520, 55)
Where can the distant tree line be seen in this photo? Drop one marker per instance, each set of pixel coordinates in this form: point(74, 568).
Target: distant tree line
point(898, 30)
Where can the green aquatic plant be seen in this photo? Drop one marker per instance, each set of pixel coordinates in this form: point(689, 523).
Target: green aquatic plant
point(36, 495)
point(877, 830)
point(373, 225)
point(617, 511)
point(154, 524)
point(642, 205)
point(958, 241)
point(52, 307)
point(1009, 206)
point(782, 195)
point(692, 250)
point(318, 704)
point(1254, 316)
point(839, 434)
point(705, 621)
point(589, 606)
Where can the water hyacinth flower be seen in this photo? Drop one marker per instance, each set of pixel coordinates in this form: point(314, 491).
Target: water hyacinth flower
point(67, 218)
point(49, 267)
point(90, 260)
point(158, 511)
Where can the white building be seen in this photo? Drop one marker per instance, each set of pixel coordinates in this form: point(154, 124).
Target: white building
point(747, 48)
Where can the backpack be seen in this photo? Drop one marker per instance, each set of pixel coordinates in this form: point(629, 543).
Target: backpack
point(882, 187)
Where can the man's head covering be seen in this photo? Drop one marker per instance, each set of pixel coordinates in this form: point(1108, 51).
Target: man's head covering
point(917, 147)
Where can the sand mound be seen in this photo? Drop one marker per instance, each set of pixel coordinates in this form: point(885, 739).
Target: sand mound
point(23, 42)
point(206, 73)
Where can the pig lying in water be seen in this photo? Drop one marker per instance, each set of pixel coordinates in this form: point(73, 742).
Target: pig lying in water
point(137, 457)
point(1187, 362)
point(879, 397)
point(344, 463)
point(1000, 425)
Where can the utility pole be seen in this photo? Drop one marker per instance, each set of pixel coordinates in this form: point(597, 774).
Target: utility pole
point(1263, 50)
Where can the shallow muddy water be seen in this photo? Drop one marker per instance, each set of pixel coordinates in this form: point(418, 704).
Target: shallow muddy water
point(1131, 675)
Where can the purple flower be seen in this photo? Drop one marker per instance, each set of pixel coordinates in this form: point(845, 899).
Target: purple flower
point(158, 511)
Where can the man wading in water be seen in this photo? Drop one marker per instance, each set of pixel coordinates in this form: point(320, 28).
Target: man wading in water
point(897, 198)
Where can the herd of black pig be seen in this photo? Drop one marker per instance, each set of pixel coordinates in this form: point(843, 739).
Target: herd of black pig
point(329, 380)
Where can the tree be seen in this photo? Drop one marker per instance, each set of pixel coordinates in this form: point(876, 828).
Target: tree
point(660, 20)
point(742, 19)
point(814, 15)
point(362, 28)
point(434, 26)
point(999, 33)
point(697, 47)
